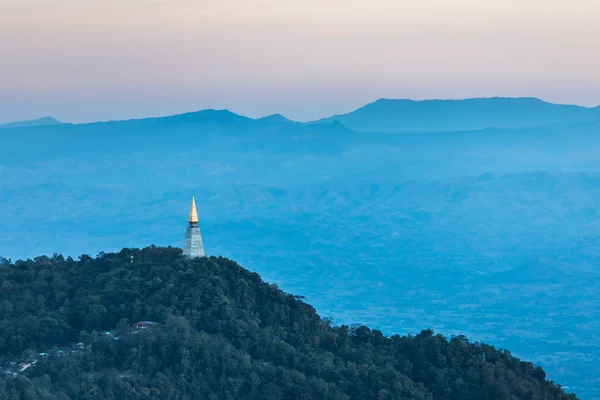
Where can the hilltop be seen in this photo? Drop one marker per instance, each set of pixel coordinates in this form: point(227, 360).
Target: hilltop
point(217, 331)
point(402, 115)
point(46, 121)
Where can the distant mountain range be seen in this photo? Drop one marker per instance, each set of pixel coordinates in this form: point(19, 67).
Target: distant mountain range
point(386, 115)
point(404, 116)
point(36, 122)
point(395, 116)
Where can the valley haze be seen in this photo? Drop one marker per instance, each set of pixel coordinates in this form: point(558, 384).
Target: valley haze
point(477, 217)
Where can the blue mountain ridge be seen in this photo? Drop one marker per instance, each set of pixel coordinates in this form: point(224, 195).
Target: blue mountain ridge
point(394, 116)
point(399, 115)
point(37, 122)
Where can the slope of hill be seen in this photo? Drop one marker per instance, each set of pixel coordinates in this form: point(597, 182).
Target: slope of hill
point(216, 331)
point(387, 115)
point(37, 122)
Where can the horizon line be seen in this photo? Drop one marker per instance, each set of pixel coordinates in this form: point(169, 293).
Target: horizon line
point(60, 121)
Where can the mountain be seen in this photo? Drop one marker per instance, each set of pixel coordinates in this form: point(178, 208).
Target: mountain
point(387, 115)
point(448, 230)
point(394, 115)
point(201, 130)
point(37, 122)
point(277, 118)
point(149, 324)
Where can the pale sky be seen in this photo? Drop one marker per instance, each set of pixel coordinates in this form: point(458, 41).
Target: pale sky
point(86, 60)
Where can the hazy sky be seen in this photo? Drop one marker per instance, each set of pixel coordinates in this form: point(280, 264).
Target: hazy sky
point(82, 60)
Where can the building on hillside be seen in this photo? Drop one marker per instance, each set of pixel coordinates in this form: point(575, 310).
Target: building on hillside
point(144, 324)
point(193, 246)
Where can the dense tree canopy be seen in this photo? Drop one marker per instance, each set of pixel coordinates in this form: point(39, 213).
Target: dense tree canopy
point(218, 332)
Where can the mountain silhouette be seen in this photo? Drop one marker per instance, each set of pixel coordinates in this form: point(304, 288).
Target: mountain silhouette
point(387, 115)
point(276, 118)
point(209, 119)
point(36, 122)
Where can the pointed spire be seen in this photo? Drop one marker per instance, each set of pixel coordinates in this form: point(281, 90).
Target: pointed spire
point(193, 213)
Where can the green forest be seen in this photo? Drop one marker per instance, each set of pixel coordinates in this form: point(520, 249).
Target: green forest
point(70, 329)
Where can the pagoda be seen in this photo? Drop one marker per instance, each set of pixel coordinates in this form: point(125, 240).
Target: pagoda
point(193, 247)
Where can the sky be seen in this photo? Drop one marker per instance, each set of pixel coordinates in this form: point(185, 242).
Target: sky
point(89, 60)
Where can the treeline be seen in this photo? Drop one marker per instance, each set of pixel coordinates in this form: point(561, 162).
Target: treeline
point(220, 333)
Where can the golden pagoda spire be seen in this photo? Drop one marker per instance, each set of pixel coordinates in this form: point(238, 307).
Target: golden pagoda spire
point(193, 213)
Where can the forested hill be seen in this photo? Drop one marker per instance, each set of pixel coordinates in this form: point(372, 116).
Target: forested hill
point(216, 331)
